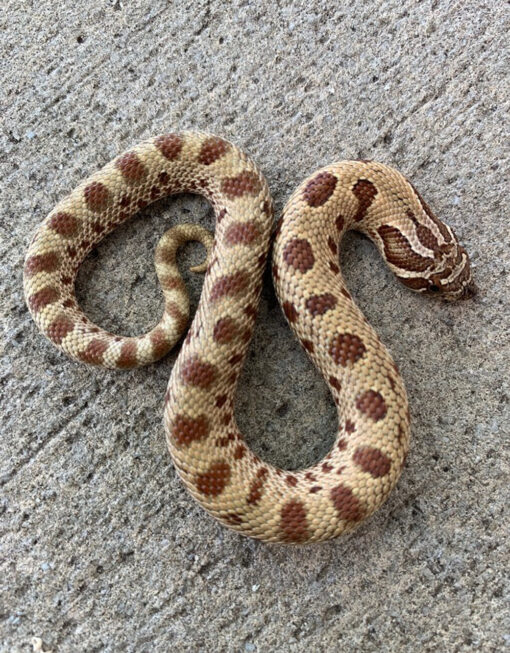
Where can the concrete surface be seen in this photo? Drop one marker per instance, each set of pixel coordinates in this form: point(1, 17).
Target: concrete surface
point(102, 549)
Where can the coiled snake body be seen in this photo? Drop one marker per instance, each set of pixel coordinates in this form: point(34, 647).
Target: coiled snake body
point(229, 481)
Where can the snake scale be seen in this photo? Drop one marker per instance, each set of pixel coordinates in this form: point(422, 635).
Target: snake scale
point(225, 477)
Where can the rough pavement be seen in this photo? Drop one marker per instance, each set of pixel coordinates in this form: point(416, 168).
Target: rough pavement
point(102, 549)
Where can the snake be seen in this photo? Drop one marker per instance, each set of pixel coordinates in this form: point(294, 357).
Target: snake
point(222, 473)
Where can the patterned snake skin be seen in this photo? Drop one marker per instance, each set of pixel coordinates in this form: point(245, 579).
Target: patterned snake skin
point(234, 485)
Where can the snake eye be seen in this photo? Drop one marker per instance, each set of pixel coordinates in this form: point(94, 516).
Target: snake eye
point(434, 288)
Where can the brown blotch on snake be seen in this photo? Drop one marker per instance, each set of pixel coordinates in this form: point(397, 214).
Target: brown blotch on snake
point(346, 503)
point(42, 298)
point(372, 460)
point(131, 167)
point(298, 254)
point(346, 348)
point(319, 189)
point(170, 145)
point(60, 328)
point(97, 196)
point(41, 263)
point(212, 149)
point(225, 330)
point(186, 430)
point(320, 304)
point(63, 224)
point(372, 404)
point(293, 522)
point(365, 192)
point(198, 373)
point(213, 482)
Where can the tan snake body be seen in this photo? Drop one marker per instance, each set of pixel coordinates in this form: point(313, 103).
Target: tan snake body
point(229, 481)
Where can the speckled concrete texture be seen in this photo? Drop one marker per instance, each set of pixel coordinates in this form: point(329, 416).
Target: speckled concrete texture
point(102, 549)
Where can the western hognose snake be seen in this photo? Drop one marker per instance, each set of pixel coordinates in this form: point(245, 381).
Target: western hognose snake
point(234, 485)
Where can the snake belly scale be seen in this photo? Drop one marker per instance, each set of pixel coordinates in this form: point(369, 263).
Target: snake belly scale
point(209, 452)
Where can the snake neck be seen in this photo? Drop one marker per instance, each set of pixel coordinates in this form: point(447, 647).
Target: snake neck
point(376, 200)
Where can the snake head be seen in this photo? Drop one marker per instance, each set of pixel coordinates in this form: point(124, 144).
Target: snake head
point(446, 274)
point(451, 279)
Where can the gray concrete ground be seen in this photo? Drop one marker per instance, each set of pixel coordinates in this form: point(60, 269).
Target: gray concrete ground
point(102, 549)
